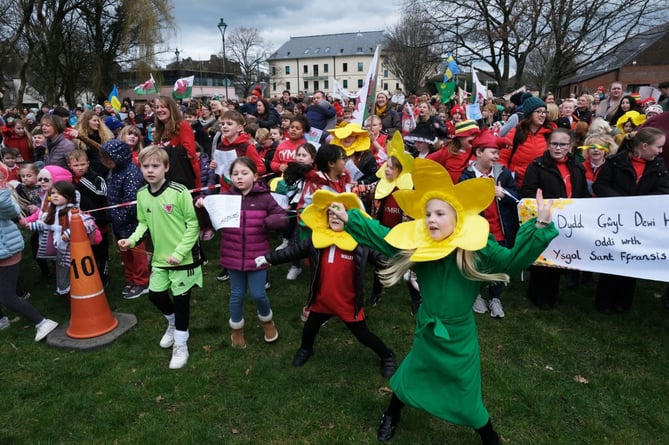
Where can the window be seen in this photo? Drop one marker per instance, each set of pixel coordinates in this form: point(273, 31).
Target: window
point(306, 85)
point(288, 85)
point(325, 68)
point(273, 86)
point(385, 86)
point(397, 85)
point(287, 69)
point(360, 83)
point(273, 71)
point(305, 69)
point(317, 50)
point(315, 72)
point(345, 67)
point(316, 86)
point(385, 73)
point(360, 67)
point(306, 51)
point(326, 84)
point(344, 83)
point(327, 49)
point(359, 49)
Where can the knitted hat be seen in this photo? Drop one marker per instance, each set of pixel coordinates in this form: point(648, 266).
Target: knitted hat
point(112, 123)
point(257, 92)
point(30, 116)
point(466, 128)
point(532, 103)
point(58, 173)
point(61, 111)
point(516, 98)
point(422, 133)
point(456, 109)
point(654, 109)
point(487, 139)
point(385, 93)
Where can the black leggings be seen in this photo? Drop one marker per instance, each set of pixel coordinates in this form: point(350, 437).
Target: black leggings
point(358, 328)
point(180, 307)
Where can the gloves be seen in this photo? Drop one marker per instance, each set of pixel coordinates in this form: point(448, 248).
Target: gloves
point(261, 261)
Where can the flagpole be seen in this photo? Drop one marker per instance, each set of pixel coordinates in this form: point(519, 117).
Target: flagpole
point(375, 77)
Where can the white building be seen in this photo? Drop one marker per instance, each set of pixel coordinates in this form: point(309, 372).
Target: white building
point(311, 63)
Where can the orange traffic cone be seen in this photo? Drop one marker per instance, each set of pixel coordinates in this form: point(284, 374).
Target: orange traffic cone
point(90, 314)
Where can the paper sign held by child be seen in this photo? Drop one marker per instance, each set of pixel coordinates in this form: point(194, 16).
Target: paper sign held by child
point(224, 210)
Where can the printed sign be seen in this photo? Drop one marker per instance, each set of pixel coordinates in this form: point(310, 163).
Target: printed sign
point(224, 210)
point(625, 236)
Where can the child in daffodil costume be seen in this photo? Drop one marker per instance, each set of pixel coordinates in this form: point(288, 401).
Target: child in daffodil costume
point(449, 248)
point(337, 276)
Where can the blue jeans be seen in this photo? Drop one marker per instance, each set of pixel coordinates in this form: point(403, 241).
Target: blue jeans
point(255, 281)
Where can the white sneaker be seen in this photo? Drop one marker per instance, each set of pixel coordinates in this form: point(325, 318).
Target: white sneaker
point(480, 305)
point(283, 244)
point(293, 273)
point(496, 309)
point(4, 323)
point(44, 329)
point(168, 337)
point(179, 356)
point(304, 316)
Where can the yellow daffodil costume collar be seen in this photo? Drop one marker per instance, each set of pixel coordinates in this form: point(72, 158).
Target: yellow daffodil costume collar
point(403, 181)
point(468, 198)
point(361, 142)
point(316, 218)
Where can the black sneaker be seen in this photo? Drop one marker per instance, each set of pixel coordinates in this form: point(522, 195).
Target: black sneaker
point(374, 300)
point(223, 275)
point(388, 366)
point(301, 356)
point(386, 430)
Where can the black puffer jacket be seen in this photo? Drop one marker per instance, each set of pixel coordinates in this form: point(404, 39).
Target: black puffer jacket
point(544, 174)
point(617, 177)
point(306, 249)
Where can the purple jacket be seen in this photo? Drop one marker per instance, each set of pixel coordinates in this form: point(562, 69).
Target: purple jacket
point(260, 214)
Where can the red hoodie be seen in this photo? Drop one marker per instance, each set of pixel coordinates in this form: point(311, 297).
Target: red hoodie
point(243, 146)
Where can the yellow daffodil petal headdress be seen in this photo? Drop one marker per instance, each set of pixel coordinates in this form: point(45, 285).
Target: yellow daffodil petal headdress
point(468, 199)
point(316, 218)
point(403, 181)
point(361, 142)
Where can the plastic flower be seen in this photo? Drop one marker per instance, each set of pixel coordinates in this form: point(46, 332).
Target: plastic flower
point(316, 218)
point(468, 199)
point(360, 143)
point(403, 182)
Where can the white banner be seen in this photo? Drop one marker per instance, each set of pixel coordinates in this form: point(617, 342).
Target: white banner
point(622, 236)
point(224, 210)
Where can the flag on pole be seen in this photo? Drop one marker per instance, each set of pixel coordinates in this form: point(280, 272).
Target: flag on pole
point(480, 92)
point(114, 100)
point(183, 88)
point(148, 87)
point(367, 95)
point(452, 68)
point(341, 93)
point(446, 90)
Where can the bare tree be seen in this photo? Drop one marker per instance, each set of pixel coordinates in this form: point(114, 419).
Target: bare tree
point(566, 35)
point(247, 48)
point(66, 47)
point(409, 51)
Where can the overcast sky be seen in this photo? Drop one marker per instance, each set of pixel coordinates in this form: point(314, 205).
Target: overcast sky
point(198, 37)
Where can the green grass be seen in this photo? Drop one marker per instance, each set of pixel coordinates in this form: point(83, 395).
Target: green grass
point(125, 394)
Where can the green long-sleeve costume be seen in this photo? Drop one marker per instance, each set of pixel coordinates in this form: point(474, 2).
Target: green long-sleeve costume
point(441, 374)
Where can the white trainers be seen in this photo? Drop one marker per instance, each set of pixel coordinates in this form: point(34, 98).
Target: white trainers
point(496, 309)
point(293, 273)
point(179, 356)
point(304, 316)
point(44, 328)
point(480, 305)
point(168, 337)
point(283, 244)
point(4, 323)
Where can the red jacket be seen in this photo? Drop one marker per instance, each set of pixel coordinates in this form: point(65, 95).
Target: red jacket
point(11, 139)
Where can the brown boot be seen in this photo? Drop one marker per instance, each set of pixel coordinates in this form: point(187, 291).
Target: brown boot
point(271, 334)
point(237, 337)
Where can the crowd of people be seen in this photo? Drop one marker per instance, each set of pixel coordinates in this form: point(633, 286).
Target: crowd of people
point(340, 193)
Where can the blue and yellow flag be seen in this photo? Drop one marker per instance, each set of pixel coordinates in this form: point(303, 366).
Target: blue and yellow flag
point(114, 100)
point(452, 68)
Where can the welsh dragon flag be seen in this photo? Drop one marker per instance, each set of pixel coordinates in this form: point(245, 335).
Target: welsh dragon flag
point(367, 95)
point(183, 88)
point(148, 87)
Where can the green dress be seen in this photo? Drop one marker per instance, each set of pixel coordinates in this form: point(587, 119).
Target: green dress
point(441, 374)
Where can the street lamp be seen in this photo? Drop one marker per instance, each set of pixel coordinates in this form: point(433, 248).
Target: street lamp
point(222, 26)
point(176, 53)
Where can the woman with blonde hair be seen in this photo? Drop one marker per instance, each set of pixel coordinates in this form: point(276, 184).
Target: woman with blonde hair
point(91, 132)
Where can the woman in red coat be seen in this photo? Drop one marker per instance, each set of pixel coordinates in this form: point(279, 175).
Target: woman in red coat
point(173, 133)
